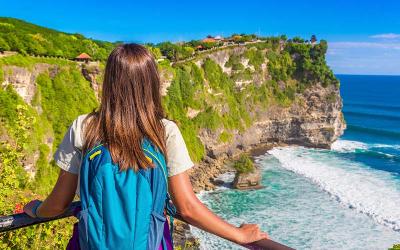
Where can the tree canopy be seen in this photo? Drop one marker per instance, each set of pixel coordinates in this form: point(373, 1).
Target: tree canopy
point(27, 38)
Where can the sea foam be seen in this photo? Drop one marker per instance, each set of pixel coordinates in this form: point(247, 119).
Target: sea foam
point(348, 146)
point(372, 192)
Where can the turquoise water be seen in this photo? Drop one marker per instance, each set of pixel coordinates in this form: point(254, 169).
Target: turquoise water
point(344, 198)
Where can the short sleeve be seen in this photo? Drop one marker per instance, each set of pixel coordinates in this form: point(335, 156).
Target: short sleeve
point(69, 153)
point(177, 153)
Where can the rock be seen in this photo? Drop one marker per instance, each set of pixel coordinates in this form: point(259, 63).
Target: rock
point(192, 113)
point(182, 236)
point(313, 120)
point(250, 180)
point(90, 72)
point(23, 80)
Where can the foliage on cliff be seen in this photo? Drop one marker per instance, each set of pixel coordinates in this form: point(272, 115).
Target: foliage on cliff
point(29, 133)
point(27, 38)
point(201, 97)
point(310, 63)
point(244, 164)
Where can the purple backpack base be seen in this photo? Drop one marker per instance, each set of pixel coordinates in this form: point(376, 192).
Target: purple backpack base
point(73, 243)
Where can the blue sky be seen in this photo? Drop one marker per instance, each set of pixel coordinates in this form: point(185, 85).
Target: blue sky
point(363, 36)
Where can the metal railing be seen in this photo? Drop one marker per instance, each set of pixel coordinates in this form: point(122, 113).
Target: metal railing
point(16, 221)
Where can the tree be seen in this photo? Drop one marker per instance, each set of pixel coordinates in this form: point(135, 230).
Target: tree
point(32, 39)
point(298, 39)
point(15, 44)
point(3, 45)
point(156, 52)
point(168, 49)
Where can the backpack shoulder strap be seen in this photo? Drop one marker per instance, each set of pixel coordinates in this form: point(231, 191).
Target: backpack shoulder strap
point(161, 163)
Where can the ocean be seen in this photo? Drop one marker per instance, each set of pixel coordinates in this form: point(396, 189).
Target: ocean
point(344, 198)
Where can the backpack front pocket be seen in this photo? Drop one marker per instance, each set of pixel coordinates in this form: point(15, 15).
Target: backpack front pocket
point(156, 230)
point(83, 227)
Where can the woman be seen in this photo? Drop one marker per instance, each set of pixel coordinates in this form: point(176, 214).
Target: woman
point(131, 112)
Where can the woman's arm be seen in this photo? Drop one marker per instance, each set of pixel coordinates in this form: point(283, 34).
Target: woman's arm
point(197, 214)
point(59, 199)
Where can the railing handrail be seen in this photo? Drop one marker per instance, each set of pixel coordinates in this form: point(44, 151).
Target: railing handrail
point(16, 221)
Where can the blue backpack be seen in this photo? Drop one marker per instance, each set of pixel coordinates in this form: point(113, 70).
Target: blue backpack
point(122, 209)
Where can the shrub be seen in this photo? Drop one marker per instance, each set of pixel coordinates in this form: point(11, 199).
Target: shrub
point(256, 57)
point(225, 137)
point(395, 247)
point(244, 164)
point(234, 62)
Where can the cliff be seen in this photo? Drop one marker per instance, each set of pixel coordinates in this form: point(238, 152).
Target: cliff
point(310, 117)
point(225, 102)
point(229, 98)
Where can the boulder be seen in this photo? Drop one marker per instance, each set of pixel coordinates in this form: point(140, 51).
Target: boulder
point(251, 180)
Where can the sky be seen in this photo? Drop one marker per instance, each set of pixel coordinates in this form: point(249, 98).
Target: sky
point(363, 36)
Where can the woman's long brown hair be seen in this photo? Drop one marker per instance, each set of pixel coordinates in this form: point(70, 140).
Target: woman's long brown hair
point(130, 108)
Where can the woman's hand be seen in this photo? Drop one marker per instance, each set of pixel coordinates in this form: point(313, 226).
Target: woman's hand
point(31, 208)
point(58, 201)
point(249, 233)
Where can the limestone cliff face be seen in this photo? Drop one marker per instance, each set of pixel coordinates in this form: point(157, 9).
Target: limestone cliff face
point(91, 72)
point(221, 57)
point(23, 80)
point(314, 120)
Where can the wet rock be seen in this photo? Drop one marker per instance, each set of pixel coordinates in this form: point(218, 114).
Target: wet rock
point(250, 180)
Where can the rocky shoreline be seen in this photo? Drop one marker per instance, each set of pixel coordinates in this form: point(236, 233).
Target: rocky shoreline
point(203, 175)
point(204, 178)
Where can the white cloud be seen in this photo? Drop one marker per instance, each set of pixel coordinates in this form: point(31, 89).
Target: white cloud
point(386, 36)
point(364, 57)
point(372, 45)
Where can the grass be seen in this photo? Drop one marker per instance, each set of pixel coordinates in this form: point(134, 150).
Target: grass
point(225, 137)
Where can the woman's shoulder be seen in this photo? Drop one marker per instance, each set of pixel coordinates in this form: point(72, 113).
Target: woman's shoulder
point(170, 127)
point(77, 128)
point(79, 121)
point(178, 155)
point(168, 123)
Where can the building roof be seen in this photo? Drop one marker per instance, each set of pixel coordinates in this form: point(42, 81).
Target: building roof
point(209, 40)
point(83, 56)
point(218, 38)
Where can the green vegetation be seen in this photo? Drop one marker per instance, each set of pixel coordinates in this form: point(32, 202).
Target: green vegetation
point(310, 63)
point(234, 63)
point(174, 51)
point(27, 38)
point(225, 137)
point(244, 164)
point(395, 247)
point(63, 98)
point(29, 137)
point(30, 133)
point(29, 61)
point(255, 56)
point(280, 65)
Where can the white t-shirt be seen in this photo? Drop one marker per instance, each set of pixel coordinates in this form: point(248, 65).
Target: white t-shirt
point(69, 154)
